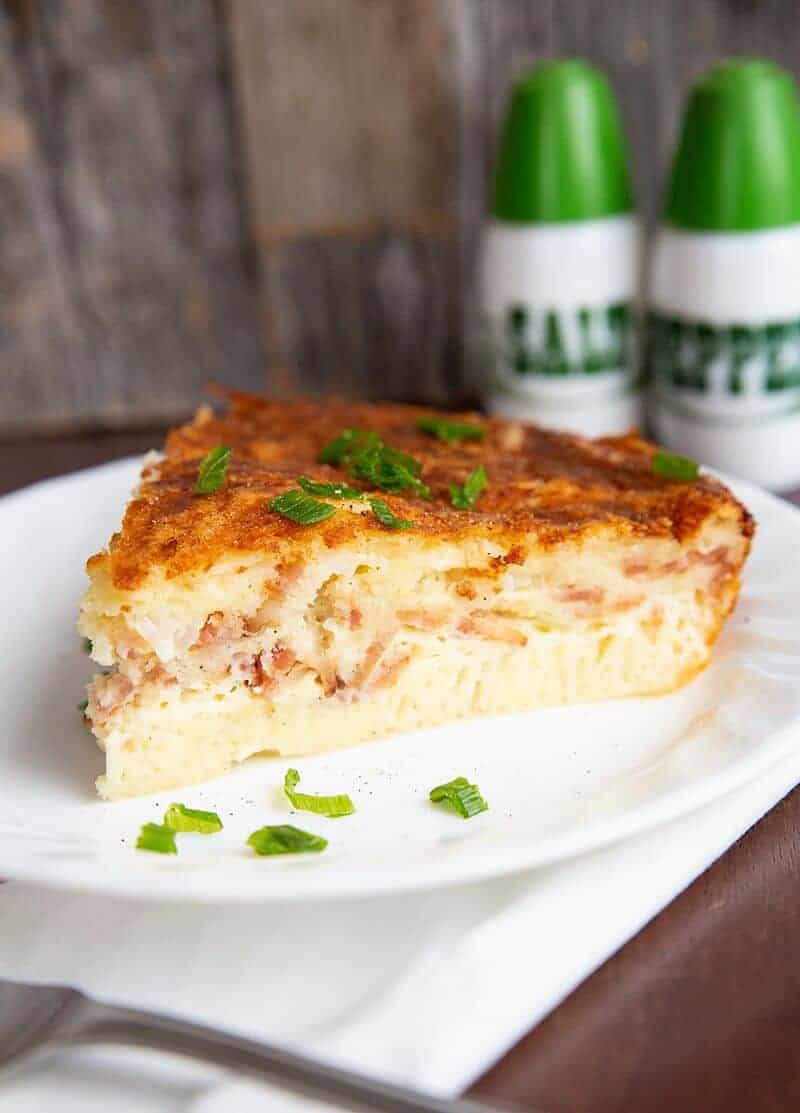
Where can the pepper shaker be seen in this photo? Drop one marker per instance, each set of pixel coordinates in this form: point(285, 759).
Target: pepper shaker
point(723, 348)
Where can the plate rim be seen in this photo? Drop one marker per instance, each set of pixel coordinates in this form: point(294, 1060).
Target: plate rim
point(480, 866)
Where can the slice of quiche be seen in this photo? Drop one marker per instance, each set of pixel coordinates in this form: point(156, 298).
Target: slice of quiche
point(349, 570)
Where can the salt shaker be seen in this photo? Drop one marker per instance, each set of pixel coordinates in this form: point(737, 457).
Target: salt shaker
point(561, 258)
point(723, 344)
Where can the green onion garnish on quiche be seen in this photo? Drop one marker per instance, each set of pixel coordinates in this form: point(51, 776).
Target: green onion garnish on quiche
point(671, 466)
point(301, 508)
point(387, 517)
point(329, 490)
point(366, 457)
point(212, 471)
point(451, 432)
point(464, 496)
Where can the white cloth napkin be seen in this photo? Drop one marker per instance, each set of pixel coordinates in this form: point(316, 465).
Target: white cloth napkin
point(428, 990)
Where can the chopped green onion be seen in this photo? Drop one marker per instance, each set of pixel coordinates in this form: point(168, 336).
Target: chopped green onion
point(285, 839)
point(212, 471)
point(180, 818)
point(156, 837)
point(87, 646)
point(388, 469)
point(450, 431)
point(463, 797)
point(331, 806)
point(303, 509)
point(464, 497)
point(386, 516)
point(329, 490)
point(671, 466)
point(366, 457)
point(336, 450)
point(82, 707)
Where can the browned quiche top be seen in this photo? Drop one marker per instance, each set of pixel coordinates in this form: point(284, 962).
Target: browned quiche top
point(544, 487)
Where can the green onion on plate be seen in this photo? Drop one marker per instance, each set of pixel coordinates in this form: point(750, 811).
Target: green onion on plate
point(330, 806)
point(180, 818)
point(463, 797)
point(285, 839)
point(156, 837)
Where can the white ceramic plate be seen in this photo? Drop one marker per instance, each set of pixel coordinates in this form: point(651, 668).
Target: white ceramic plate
point(559, 781)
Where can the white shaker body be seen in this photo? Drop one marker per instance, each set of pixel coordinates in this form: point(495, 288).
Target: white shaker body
point(723, 350)
point(559, 318)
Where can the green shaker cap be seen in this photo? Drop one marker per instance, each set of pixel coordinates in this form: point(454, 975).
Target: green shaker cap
point(562, 152)
point(737, 166)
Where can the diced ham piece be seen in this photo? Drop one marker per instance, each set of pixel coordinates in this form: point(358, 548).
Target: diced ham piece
point(108, 693)
point(574, 594)
point(623, 605)
point(254, 674)
point(218, 628)
point(492, 628)
point(432, 618)
point(282, 658)
point(368, 662)
point(210, 629)
point(390, 675)
point(716, 556)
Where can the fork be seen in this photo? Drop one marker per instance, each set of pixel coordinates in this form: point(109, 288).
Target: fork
point(35, 1020)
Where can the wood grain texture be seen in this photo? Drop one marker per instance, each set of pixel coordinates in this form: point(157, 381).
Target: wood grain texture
point(373, 316)
point(123, 260)
point(287, 193)
point(349, 116)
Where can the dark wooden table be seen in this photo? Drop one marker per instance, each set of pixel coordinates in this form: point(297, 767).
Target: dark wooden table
point(699, 1012)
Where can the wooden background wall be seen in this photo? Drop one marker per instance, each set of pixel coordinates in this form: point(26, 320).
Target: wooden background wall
point(285, 194)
